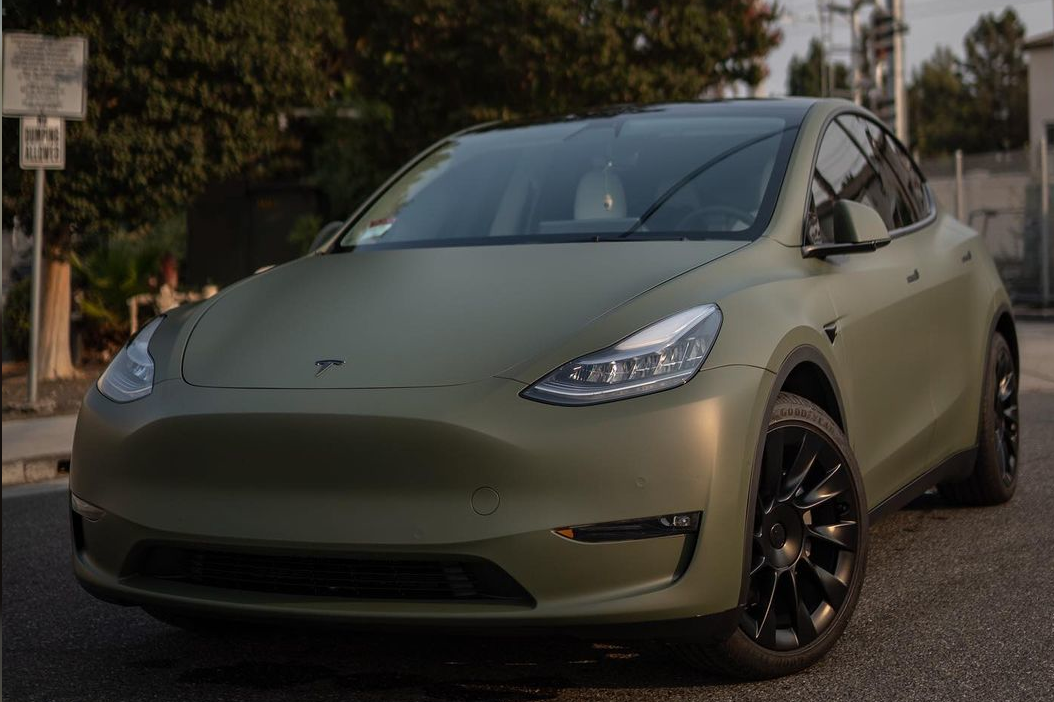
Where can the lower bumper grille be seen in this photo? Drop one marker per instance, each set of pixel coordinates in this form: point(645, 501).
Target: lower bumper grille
point(349, 577)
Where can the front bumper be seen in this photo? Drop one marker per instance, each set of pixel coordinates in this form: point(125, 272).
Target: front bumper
point(392, 473)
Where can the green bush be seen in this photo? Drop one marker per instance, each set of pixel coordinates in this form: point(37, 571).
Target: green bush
point(304, 231)
point(16, 319)
point(106, 277)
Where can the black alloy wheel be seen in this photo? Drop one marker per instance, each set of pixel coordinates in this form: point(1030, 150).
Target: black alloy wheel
point(1006, 423)
point(807, 532)
point(995, 472)
point(806, 549)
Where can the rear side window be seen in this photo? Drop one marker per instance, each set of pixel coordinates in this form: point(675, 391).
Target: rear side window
point(843, 172)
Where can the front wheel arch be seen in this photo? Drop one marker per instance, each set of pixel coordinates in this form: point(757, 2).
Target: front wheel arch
point(800, 357)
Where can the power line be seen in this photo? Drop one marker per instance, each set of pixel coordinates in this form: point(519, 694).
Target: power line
point(932, 11)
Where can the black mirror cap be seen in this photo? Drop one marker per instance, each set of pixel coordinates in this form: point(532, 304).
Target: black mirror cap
point(835, 248)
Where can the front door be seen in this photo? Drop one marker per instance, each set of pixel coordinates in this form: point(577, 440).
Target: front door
point(883, 317)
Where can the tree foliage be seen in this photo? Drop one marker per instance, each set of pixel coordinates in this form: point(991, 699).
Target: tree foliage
point(179, 94)
point(419, 69)
point(979, 103)
point(997, 76)
point(938, 101)
point(804, 73)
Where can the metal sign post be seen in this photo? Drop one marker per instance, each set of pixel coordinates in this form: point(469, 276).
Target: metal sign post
point(34, 305)
point(44, 84)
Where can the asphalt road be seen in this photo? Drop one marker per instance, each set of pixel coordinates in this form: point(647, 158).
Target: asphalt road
point(958, 604)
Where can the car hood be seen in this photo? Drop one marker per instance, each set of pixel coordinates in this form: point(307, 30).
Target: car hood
point(421, 317)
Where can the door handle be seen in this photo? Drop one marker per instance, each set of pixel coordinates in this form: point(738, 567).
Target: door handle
point(914, 276)
point(968, 256)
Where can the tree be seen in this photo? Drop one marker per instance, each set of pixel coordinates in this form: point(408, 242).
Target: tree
point(941, 110)
point(804, 74)
point(180, 94)
point(998, 75)
point(419, 69)
point(979, 103)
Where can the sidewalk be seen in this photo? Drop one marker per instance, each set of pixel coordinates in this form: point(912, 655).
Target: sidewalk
point(36, 449)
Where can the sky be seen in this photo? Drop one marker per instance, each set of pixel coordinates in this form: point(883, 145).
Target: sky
point(930, 23)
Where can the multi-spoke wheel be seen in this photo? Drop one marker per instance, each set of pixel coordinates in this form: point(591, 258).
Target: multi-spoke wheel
point(808, 548)
point(994, 477)
point(1006, 413)
point(806, 538)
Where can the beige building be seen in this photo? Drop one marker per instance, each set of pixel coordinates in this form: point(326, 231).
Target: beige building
point(1040, 51)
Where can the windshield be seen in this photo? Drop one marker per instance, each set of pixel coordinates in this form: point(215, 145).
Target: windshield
point(634, 176)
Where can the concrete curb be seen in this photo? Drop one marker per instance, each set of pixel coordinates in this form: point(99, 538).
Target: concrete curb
point(36, 469)
point(1034, 314)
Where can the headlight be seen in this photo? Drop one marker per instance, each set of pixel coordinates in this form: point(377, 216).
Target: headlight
point(130, 375)
point(661, 356)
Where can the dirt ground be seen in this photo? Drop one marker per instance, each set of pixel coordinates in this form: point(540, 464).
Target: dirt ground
point(55, 396)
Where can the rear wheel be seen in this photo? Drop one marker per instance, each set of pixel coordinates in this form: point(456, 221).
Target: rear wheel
point(808, 549)
point(994, 476)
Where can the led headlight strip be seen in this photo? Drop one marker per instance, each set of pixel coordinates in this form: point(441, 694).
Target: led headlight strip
point(660, 356)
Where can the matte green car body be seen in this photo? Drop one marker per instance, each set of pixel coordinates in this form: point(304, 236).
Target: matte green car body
point(240, 444)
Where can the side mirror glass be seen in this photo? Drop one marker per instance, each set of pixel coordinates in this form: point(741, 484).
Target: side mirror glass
point(857, 229)
point(323, 235)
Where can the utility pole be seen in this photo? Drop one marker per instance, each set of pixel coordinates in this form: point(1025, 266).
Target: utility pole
point(822, 10)
point(855, 48)
point(827, 10)
point(900, 99)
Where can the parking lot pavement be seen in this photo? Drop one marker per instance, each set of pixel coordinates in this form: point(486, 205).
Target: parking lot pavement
point(957, 605)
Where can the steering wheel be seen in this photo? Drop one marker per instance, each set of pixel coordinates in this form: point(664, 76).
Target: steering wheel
point(728, 215)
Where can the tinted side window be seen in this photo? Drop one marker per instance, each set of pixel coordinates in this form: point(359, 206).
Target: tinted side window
point(873, 141)
point(843, 172)
point(896, 167)
point(910, 177)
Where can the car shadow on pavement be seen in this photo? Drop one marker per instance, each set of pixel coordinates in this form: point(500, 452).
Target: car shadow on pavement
point(391, 666)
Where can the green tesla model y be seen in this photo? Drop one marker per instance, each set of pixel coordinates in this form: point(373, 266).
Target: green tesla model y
point(646, 371)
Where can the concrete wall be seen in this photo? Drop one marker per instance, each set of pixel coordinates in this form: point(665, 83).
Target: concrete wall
point(1002, 194)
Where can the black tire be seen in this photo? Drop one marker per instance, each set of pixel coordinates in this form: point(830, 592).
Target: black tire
point(816, 564)
point(994, 477)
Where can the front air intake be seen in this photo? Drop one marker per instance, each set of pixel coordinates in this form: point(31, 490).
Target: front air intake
point(370, 577)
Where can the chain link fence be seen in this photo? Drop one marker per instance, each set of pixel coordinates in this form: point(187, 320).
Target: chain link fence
point(1000, 195)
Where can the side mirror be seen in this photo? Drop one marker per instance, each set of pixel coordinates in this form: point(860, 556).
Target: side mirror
point(323, 235)
point(857, 229)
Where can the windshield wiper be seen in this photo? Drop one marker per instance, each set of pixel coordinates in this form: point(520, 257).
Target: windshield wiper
point(662, 199)
point(638, 236)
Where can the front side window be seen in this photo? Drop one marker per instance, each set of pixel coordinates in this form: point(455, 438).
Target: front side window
point(842, 172)
point(634, 175)
point(909, 175)
point(902, 180)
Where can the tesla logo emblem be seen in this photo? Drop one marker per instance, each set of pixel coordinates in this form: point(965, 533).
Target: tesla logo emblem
point(325, 364)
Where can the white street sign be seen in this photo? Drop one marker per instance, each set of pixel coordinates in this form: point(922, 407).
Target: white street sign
point(44, 75)
point(42, 143)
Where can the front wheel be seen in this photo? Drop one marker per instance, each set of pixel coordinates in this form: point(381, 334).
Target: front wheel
point(808, 549)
